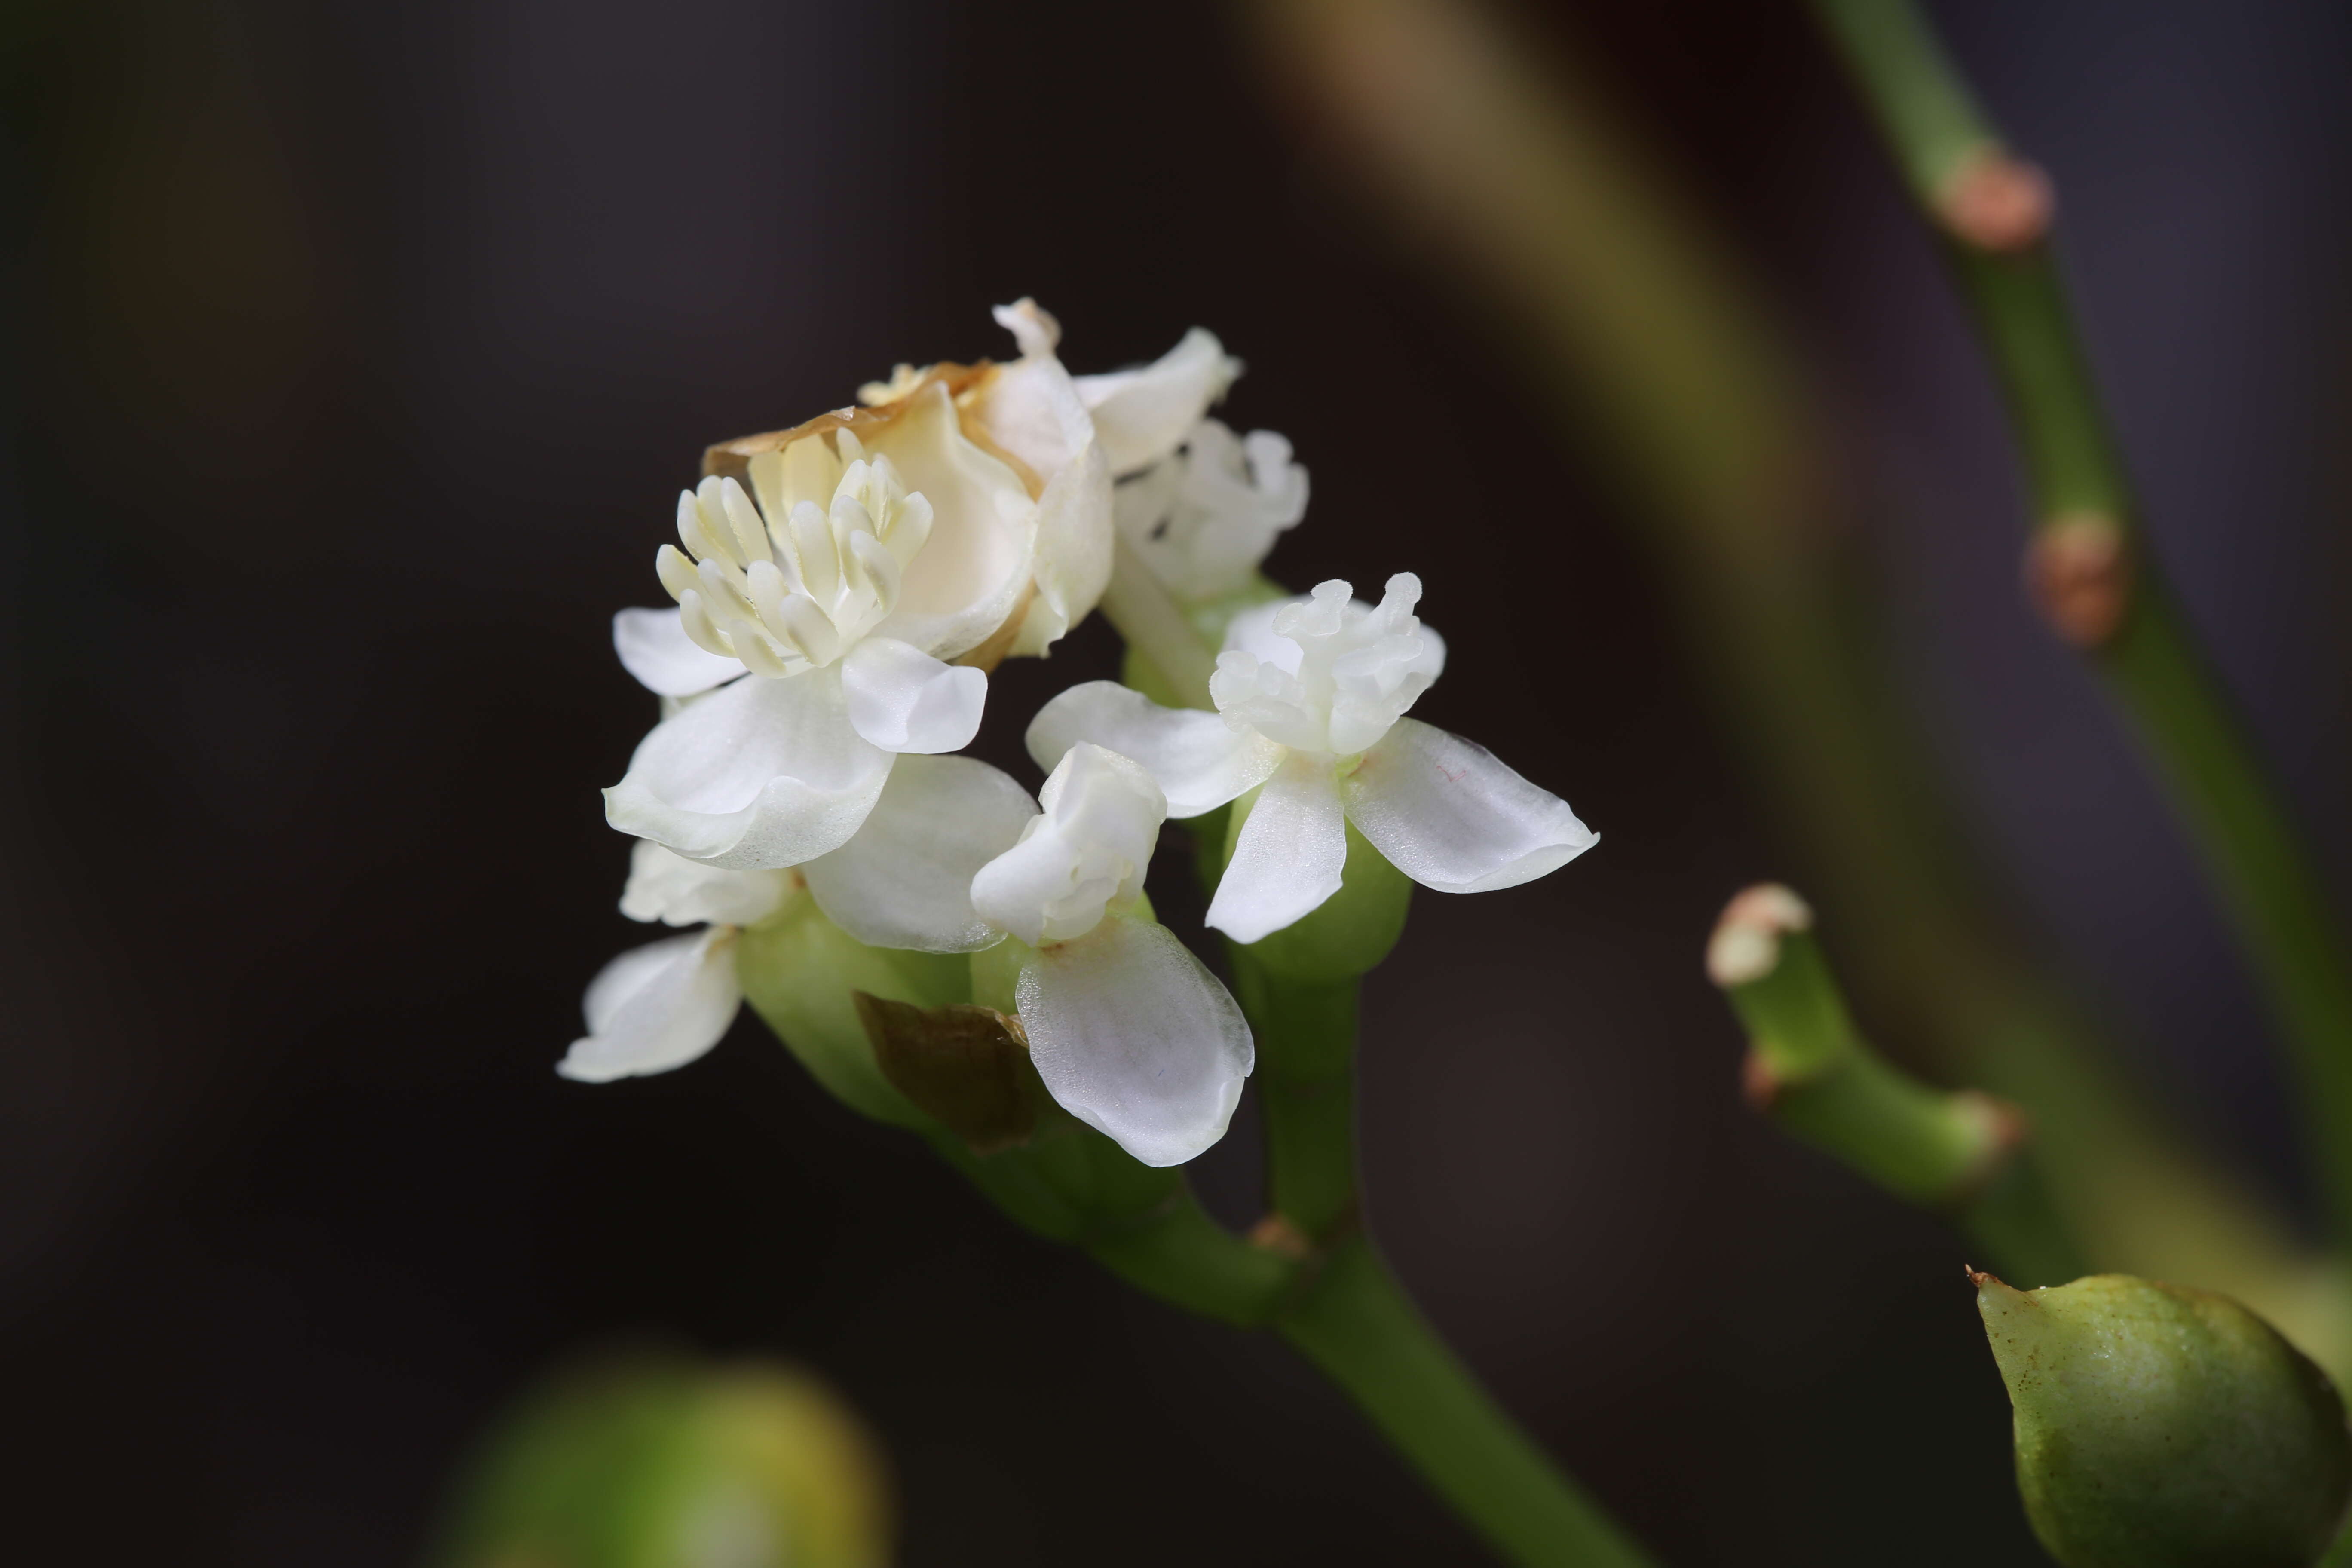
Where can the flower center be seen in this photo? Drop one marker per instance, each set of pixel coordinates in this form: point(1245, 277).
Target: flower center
point(1324, 673)
point(792, 582)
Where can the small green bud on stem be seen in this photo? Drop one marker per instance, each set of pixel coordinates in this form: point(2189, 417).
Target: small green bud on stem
point(2162, 1427)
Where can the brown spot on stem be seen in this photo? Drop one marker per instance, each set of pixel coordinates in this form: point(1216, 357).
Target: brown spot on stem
point(1996, 202)
point(2078, 573)
point(1759, 1086)
point(1278, 1234)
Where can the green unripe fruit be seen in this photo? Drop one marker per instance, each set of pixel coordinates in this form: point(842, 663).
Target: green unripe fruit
point(2161, 1428)
point(655, 1463)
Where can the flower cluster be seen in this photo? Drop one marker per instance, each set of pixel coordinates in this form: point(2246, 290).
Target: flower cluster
point(841, 590)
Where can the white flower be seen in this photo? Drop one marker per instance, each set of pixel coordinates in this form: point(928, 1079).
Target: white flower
point(664, 1005)
point(1130, 1034)
point(1311, 695)
point(1204, 517)
point(812, 589)
point(903, 880)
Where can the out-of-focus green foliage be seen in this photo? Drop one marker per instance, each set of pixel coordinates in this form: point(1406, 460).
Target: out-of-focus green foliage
point(661, 1462)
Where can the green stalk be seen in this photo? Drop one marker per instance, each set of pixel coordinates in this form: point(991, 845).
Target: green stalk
point(1154, 625)
point(1809, 1068)
point(2098, 583)
point(1355, 1324)
point(1306, 1089)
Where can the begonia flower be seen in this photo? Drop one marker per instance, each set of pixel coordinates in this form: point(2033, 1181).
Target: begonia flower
point(1311, 696)
point(1129, 1032)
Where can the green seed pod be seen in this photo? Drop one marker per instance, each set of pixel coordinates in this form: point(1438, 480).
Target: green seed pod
point(654, 1462)
point(802, 973)
point(2160, 1428)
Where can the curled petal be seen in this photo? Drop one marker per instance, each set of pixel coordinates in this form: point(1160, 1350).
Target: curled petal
point(669, 887)
point(1087, 853)
point(1135, 1039)
point(975, 567)
point(904, 879)
point(1075, 537)
point(1144, 414)
point(1198, 760)
point(903, 700)
point(654, 646)
point(657, 1007)
point(1288, 858)
point(760, 774)
point(1449, 815)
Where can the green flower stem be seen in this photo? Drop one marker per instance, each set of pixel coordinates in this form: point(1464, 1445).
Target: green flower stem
point(1809, 1067)
point(1155, 625)
point(2134, 631)
point(1306, 1089)
point(1353, 1321)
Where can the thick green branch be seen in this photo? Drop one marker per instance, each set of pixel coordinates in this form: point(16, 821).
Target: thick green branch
point(2091, 573)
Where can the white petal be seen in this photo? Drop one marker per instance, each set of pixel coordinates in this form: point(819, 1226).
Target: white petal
point(759, 774)
point(654, 646)
point(1075, 537)
point(905, 880)
point(1287, 858)
point(669, 887)
point(1135, 1039)
point(1198, 760)
point(975, 566)
point(1448, 812)
point(1088, 851)
point(1142, 415)
point(657, 1007)
point(903, 700)
point(1032, 326)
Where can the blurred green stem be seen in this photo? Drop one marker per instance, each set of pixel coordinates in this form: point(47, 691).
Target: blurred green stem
point(1355, 1324)
point(2098, 584)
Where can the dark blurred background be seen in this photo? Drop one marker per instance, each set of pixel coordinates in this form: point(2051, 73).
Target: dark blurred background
point(357, 354)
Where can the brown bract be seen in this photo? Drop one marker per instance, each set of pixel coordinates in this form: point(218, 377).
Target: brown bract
point(965, 1065)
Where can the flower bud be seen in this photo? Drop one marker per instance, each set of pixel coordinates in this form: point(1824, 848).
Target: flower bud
point(654, 1463)
point(2162, 1427)
point(802, 973)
